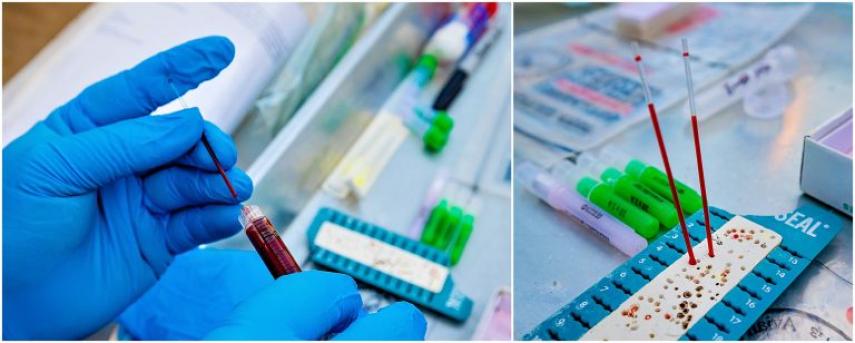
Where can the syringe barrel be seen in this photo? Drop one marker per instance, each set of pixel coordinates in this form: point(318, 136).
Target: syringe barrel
point(266, 241)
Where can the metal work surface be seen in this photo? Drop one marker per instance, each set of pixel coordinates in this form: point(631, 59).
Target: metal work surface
point(398, 193)
point(752, 167)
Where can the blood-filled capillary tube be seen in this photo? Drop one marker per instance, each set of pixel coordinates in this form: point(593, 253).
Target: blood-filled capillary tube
point(267, 242)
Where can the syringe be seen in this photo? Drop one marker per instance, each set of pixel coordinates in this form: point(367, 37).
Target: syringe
point(267, 242)
point(562, 198)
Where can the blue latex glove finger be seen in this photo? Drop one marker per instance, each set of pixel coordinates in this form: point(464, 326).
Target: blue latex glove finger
point(84, 162)
point(400, 321)
point(222, 145)
point(174, 188)
point(195, 295)
point(200, 225)
point(142, 89)
point(302, 306)
point(79, 244)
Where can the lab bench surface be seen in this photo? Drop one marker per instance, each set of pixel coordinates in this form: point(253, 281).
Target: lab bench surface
point(752, 167)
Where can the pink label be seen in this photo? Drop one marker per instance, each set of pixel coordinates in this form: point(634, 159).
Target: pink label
point(594, 97)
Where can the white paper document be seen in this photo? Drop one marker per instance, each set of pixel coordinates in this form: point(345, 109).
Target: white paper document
point(111, 37)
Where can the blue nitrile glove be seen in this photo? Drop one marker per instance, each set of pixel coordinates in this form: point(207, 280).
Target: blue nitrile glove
point(195, 295)
point(314, 305)
point(200, 290)
point(99, 197)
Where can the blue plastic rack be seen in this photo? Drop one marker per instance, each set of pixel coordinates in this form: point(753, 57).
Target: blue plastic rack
point(805, 232)
point(449, 302)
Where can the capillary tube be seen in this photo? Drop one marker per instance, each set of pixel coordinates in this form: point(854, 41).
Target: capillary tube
point(655, 121)
point(691, 89)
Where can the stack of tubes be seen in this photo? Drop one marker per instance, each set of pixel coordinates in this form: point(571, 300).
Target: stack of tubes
point(446, 46)
point(629, 208)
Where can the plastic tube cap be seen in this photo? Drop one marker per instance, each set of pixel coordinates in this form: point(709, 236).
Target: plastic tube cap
point(491, 8)
point(435, 139)
point(428, 62)
point(635, 167)
point(528, 175)
point(785, 62)
point(585, 185)
point(443, 121)
point(611, 174)
point(525, 173)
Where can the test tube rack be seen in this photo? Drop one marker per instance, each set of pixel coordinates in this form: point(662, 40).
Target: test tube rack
point(638, 299)
point(387, 261)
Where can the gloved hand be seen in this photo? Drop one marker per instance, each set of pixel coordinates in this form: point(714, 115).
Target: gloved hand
point(195, 295)
point(201, 289)
point(315, 305)
point(100, 196)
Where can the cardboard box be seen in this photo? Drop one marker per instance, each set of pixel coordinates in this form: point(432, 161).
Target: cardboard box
point(827, 163)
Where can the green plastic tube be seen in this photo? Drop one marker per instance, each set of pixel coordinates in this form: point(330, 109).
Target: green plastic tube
point(429, 62)
point(438, 216)
point(604, 196)
point(449, 230)
point(630, 189)
point(466, 226)
point(657, 181)
point(435, 139)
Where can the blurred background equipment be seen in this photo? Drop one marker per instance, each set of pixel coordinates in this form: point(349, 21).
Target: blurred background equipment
point(109, 37)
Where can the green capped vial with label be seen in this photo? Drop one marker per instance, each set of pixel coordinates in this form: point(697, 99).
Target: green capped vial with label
point(657, 181)
point(604, 196)
point(630, 189)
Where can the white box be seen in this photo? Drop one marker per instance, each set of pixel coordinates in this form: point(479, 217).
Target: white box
point(827, 163)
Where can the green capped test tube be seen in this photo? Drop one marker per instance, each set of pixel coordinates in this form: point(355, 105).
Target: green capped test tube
point(630, 189)
point(657, 181)
point(604, 195)
point(438, 219)
point(462, 237)
point(448, 228)
point(447, 232)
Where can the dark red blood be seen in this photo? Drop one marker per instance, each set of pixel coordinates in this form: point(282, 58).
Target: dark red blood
point(697, 138)
point(271, 248)
point(219, 166)
point(674, 197)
